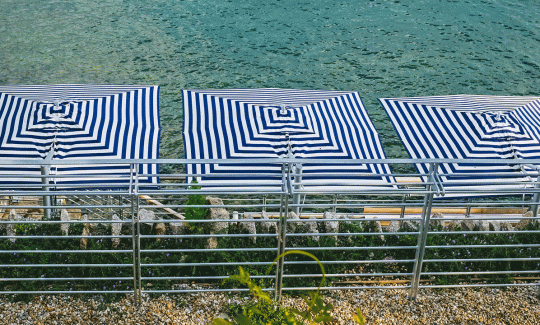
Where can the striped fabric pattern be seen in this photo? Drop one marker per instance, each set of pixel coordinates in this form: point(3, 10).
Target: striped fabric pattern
point(273, 123)
point(81, 122)
point(469, 127)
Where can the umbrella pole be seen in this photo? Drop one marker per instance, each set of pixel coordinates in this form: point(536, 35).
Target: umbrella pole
point(297, 185)
point(45, 171)
point(535, 200)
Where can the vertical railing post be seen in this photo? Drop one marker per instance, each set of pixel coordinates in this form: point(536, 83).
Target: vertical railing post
point(282, 228)
point(138, 222)
point(135, 231)
point(137, 203)
point(423, 229)
point(534, 207)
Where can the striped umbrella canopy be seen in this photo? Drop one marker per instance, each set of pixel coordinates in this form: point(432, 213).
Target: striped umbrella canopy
point(79, 122)
point(279, 123)
point(470, 127)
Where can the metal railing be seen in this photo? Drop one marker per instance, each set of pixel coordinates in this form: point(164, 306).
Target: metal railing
point(130, 237)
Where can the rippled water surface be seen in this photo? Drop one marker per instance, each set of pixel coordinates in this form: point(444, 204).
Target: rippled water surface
point(378, 48)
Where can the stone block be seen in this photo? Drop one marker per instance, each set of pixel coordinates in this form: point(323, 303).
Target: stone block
point(524, 222)
point(250, 226)
point(376, 227)
point(268, 226)
point(10, 228)
point(494, 225)
point(436, 220)
point(176, 228)
point(311, 227)
point(507, 226)
point(394, 226)
point(453, 225)
point(483, 225)
point(116, 230)
point(291, 224)
point(64, 216)
point(468, 225)
point(85, 232)
point(159, 229)
point(216, 214)
point(331, 226)
point(4, 213)
point(146, 215)
point(410, 226)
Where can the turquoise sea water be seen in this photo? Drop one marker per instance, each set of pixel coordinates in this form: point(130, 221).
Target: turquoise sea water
point(378, 48)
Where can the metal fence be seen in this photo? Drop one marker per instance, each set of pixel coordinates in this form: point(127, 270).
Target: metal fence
point(135, 238)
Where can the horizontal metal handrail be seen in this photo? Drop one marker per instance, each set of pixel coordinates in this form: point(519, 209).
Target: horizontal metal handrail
point(266, 161)
point(64, 265)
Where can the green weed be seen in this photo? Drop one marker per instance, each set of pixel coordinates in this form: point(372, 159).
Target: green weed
point(265, 311)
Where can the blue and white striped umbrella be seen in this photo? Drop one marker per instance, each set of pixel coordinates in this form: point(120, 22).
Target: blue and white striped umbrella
point(80, 122)
point(470, 127)
point(279, 123)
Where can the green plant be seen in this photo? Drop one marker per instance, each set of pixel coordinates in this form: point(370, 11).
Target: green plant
point(263, 311)
point(23, 229)
point(266, 311)
point(358, 317)
point(195, 213)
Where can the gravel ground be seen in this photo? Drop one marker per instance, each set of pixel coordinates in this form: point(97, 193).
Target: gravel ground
point(451, 306)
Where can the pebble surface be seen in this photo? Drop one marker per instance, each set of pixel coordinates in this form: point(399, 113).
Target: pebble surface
point(516, 305)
